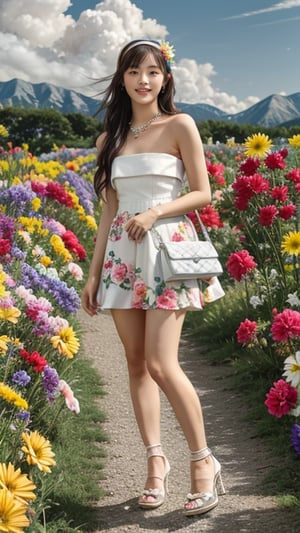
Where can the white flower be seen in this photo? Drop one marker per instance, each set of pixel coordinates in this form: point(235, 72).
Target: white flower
point(292, 369)
point(255, 301)
point(293, 299)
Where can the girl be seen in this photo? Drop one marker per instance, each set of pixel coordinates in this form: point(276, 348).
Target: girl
point(147, 149)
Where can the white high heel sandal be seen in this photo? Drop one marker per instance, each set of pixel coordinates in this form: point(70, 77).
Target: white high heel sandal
point(202, 502)
point(158, 495)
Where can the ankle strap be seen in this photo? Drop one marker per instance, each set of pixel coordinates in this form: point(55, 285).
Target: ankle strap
point(154, 450)
point(198, 455)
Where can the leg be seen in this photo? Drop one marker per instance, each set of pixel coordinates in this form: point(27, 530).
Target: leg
point(130, 325)
point(163, 329)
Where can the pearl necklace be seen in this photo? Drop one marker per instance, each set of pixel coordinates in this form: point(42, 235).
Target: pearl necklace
point(139, 129)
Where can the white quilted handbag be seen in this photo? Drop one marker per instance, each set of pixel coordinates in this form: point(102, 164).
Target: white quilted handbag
point(189, 259)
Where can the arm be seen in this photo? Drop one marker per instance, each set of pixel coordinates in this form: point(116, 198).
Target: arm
point(189, 145)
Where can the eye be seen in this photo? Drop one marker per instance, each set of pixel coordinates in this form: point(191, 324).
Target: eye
point(132, 71)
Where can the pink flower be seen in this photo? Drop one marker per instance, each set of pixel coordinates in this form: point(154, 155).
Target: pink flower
point(287, 211)
point(286, 325)
point(210, 217)
point(239, 264)
point(275, 160)
point(71, 402)
point(246, 331)
point(139, 292)
point(258, 184)
point(167, 300)
point(176, 237)
point(281, 398)
point(118, 272)
point(76, 271)
point(267, 215)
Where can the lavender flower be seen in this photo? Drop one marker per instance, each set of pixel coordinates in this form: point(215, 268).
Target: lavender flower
point(295, 438)
point(7, 227)
point(50, 382)
point(16, 197)
point(67, 298)
point(21, 378)
point(84, 190)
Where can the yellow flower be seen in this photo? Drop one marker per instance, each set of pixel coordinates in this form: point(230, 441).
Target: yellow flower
point(90, 221)
point(258, 145)
point(4, 340)
point(33, 225)
point(3, 131)
point(25, 147)
point(38, 450)
point(2, 291)
point(10, 396)
point(66, 342)
point(59, 248)
point(291, 243)
point(45, 260)
point(13, 517)
point(18, 484)
point(10, 314)
point(36, 204)
point(295, 141)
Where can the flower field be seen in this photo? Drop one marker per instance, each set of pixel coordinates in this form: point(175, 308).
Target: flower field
point(47, 229)
point(46, 222)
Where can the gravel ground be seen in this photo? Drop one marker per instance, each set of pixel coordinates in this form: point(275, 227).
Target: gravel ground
point(244, 458)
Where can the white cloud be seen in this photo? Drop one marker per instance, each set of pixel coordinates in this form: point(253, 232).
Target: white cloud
point(39, 43)
point(279, 6)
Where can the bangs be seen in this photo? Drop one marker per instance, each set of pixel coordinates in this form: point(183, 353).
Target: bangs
point(134, 57)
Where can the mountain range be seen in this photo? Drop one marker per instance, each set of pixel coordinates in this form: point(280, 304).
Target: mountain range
point(274, 110)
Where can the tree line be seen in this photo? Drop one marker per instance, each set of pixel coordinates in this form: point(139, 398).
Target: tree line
point(42, 128)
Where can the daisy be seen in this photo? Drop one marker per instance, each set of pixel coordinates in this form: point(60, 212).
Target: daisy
point(66, 342)
point(292, 369)
point(38, 450)
point(258, 145)
point(295, 141)
point(18, 484)
point(291, 243)
point(12, 514)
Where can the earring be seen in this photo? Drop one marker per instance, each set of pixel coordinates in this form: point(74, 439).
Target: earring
point(162, 90)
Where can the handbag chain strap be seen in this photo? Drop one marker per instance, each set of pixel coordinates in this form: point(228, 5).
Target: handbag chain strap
point(202, 226)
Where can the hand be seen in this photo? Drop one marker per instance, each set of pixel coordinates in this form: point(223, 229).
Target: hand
point(138, 225)
point(89, 298)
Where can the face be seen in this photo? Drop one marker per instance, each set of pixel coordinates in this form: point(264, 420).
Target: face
point(143, 83)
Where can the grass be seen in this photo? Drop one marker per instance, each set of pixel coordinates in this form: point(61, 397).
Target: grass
point(79, 456)
point(252, 375)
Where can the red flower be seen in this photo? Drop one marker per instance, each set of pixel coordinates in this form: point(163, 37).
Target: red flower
point(275, 160)
point(284, 152)
point(286, 325)
point(37, 361)
point(280, 193)
point(287, 211)
point(246, 331)
point(258, 184)
point(294, 175)
point(5, 247)
point(239, 264)
point(281, 398)
point(210, 217)
point(57, 192)
point(73, 245)
point(267, 215)
point(250, 166)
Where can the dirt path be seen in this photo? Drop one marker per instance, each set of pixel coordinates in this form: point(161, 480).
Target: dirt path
point(244, 459)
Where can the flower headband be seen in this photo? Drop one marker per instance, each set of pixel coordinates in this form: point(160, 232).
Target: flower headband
point(166, 49)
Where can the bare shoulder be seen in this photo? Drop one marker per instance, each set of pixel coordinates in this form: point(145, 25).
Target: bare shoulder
point(100, 141)
point(183, 120)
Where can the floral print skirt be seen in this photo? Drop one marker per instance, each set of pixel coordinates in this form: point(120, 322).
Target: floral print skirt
point(132, 276)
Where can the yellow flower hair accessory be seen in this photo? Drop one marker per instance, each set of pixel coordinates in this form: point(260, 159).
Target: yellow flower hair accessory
point(168, 53)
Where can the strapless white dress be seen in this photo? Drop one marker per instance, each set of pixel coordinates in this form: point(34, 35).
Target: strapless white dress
point(131, 275)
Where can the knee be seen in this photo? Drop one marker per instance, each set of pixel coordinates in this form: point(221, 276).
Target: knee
point(157, 372)
point(136, 364)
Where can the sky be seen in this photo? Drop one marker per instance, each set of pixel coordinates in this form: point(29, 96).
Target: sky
point(228, 53)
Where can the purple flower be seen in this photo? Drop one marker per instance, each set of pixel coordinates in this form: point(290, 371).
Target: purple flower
point(50, 382)
point(67, 298)
point(84, 190)
point(295, 438)
point(7, 227)
point(21, 378)
point(16, 197)
point(24, 416)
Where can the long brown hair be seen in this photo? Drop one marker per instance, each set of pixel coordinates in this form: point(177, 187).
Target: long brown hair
point(117, 106)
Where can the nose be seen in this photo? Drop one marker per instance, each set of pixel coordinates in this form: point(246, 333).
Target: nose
point(143, 79)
